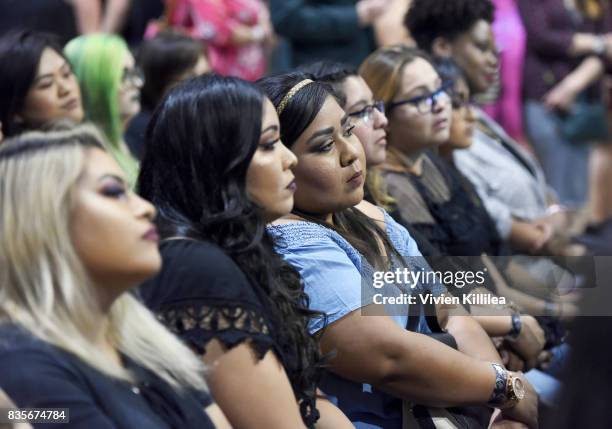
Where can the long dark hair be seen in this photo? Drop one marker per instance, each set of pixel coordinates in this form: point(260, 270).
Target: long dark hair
point(162, 59)
point(20, 53)
point(200, 143)
point(354, 226)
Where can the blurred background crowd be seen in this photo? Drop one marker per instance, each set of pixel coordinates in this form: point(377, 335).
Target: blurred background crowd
point(545, 73)
point(484, 130)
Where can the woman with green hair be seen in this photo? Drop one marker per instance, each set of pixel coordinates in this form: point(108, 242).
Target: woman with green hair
point(110, 85)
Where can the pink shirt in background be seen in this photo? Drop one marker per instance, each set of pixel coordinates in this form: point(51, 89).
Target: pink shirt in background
point(212, 21)
point(511, 38)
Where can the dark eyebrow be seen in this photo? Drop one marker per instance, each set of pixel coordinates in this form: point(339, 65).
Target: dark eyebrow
point(324, 132)
point(113, 176)
point(344, 119)
point(438, 84)
point(359, 103)
point(64, 64)
point(41, 77)
point(270, 128)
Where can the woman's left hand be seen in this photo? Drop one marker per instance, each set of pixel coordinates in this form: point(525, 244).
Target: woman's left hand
point(561, 97)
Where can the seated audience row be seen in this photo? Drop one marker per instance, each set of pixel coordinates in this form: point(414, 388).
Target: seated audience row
point(238, 288)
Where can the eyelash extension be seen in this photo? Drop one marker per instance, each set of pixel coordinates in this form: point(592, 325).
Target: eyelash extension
point(349, 131)
point(45, 85)
point(327, 146)
point(269, 145)
point(114, 191)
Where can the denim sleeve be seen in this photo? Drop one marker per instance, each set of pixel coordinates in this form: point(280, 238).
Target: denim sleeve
point(331, 280)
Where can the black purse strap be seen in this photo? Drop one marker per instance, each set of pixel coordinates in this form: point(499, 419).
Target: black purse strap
point(437, 333)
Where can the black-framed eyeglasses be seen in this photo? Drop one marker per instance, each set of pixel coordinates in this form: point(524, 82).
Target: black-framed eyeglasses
point(366, 114)
point(424, 103)
point(133, 75)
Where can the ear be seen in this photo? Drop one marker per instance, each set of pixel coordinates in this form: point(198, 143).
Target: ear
point(441, 47)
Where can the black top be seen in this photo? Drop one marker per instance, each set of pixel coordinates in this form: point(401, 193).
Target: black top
point(463, 226)
point(49, 16)
point(139, 15)
point(36, 374)
point(201, 294)
point(135, 133)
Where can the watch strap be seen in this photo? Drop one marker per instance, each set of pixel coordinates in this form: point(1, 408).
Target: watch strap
point(517, 325)
point(500, 391)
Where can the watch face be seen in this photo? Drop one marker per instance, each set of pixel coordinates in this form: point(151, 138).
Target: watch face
point(518, 388)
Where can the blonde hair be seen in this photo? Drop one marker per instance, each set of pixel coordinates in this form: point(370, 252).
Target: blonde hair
point(382, 71)
point(377, 188)
point(44, 286)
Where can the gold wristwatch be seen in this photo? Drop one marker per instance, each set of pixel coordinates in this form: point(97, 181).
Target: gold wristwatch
point(515, 391)
point(509, 388)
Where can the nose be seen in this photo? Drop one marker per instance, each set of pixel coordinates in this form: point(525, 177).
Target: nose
point(493, 57)
point(143, 208)
point(380, 119)
point(289, 158)
point(64, 86)
point(349, 152)
point(139, 83)
point(470, 114)
point(440, 103)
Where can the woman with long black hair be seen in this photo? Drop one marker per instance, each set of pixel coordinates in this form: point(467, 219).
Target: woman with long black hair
point(222, 287)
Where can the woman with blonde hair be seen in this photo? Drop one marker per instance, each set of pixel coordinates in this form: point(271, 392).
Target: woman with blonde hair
point(110, 85)
point(73, 240)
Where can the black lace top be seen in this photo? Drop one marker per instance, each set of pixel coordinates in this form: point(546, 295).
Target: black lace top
point(447, 211)
point(201, 294)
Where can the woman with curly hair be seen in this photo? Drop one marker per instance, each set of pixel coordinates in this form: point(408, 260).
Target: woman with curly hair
point(222, 288)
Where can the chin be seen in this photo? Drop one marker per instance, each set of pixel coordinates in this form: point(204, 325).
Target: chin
point(77, 116)
point(277, 212)
point(377, 158)
point(356, 197)
point(482, 86)
point(460, 144)
point(441, 138)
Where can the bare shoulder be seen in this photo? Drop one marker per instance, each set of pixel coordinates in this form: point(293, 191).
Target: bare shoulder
point(372, 211)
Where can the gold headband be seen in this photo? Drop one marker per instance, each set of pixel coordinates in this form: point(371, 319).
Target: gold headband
point(287, 98)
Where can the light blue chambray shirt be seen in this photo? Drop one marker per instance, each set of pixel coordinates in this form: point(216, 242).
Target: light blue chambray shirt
point(332, 270)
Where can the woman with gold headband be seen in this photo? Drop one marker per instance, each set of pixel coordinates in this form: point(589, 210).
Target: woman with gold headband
point(222, 287)
point(339, 245)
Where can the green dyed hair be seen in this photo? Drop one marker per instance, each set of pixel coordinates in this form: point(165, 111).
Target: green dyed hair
point(97, 61)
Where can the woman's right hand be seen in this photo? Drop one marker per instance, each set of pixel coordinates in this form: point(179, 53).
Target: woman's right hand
point(526, 411)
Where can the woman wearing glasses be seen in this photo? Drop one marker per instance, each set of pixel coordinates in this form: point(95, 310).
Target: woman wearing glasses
point(429, 194)
point(110, 84)
point(336, 242)
point(370, 122)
